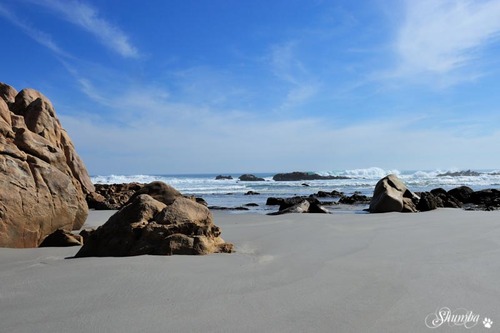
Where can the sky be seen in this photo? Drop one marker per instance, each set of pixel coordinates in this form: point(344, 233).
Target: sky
point(219, 86)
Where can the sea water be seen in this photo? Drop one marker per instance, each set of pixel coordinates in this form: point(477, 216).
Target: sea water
point(233, 192)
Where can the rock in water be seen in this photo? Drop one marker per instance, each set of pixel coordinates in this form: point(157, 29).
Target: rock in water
point(42, 179)
point(391, 195)
point(170, 225)
point(250, 178)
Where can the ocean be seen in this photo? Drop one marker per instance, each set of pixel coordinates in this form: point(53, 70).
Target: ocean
point(233, 192)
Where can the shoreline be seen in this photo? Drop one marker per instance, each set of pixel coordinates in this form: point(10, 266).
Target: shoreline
point(290, 273)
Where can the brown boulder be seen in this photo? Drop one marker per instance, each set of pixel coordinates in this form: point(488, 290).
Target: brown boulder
point(62, 238)
point(392, 195)
point(7, 93)
point(43, 180)
point(148, 226)
point(159, 191)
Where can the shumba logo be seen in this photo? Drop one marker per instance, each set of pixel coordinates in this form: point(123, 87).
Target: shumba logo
point(459, 317)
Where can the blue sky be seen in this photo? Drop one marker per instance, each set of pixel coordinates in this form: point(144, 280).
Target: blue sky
point(253, 86)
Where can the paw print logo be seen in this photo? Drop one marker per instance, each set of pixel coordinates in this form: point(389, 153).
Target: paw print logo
point(487, 322)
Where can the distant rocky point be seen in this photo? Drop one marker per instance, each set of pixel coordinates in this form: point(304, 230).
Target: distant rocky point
point(466, 173)
point(299, 176)
point(250, 178)
point(222, 177)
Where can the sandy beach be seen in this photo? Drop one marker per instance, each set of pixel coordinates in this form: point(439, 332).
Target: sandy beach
point(291, 273)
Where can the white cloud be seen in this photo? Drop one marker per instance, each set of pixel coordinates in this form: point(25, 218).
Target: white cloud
point(441, 36)
point(286, 66)
point(39, 36)
point(89, 19)
point(153, 135)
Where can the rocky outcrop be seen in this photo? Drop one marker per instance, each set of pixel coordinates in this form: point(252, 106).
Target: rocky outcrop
point(157, 221)
point(222, 177)
point(488, 199)
point(298, 204)
point(159, 191)
point(299, 176)
point(460, 197)
point(250, 178)
point(42, 179)
point(252, 193)
point(115, 196)
point(462, 193)
point(111, 196)
point(301, 207)
point(391, 195)
point(332, 194)
point(466, 173)
point(355, 199)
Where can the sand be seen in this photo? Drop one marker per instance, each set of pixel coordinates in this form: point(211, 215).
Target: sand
point(291, 273)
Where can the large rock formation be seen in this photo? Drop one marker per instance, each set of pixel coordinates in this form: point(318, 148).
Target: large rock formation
point(391, 195)
point(157, 220)
point(43, 181)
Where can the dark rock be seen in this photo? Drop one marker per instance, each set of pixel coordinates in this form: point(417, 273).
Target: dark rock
point(226, 208)
point(467, 173)
point(252, 193)
point(251, 204)
point(317, 209)
point(85, 234)
point(289, 202)
point(306, 185)
point(336, 194)
point(297, 176)
point(221, 177)
point(301, 207)
point(462, 194)
point(354, 199)
point(296, 205)
point(250, 178)
point(62, 238)
point(201, 201)
point(437, 198)
point(439, 191)
point(428, 201)
point(488, 199)
point(332, 194)
point(272, 201)
point(449, 201)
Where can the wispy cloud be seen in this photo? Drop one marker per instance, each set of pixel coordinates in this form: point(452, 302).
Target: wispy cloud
point(442, 36)
point(39, 36)
point(286, 66)
point(88, 18)
point(225, 144)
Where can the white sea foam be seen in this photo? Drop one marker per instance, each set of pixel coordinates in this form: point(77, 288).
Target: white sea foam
point(369, 173)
